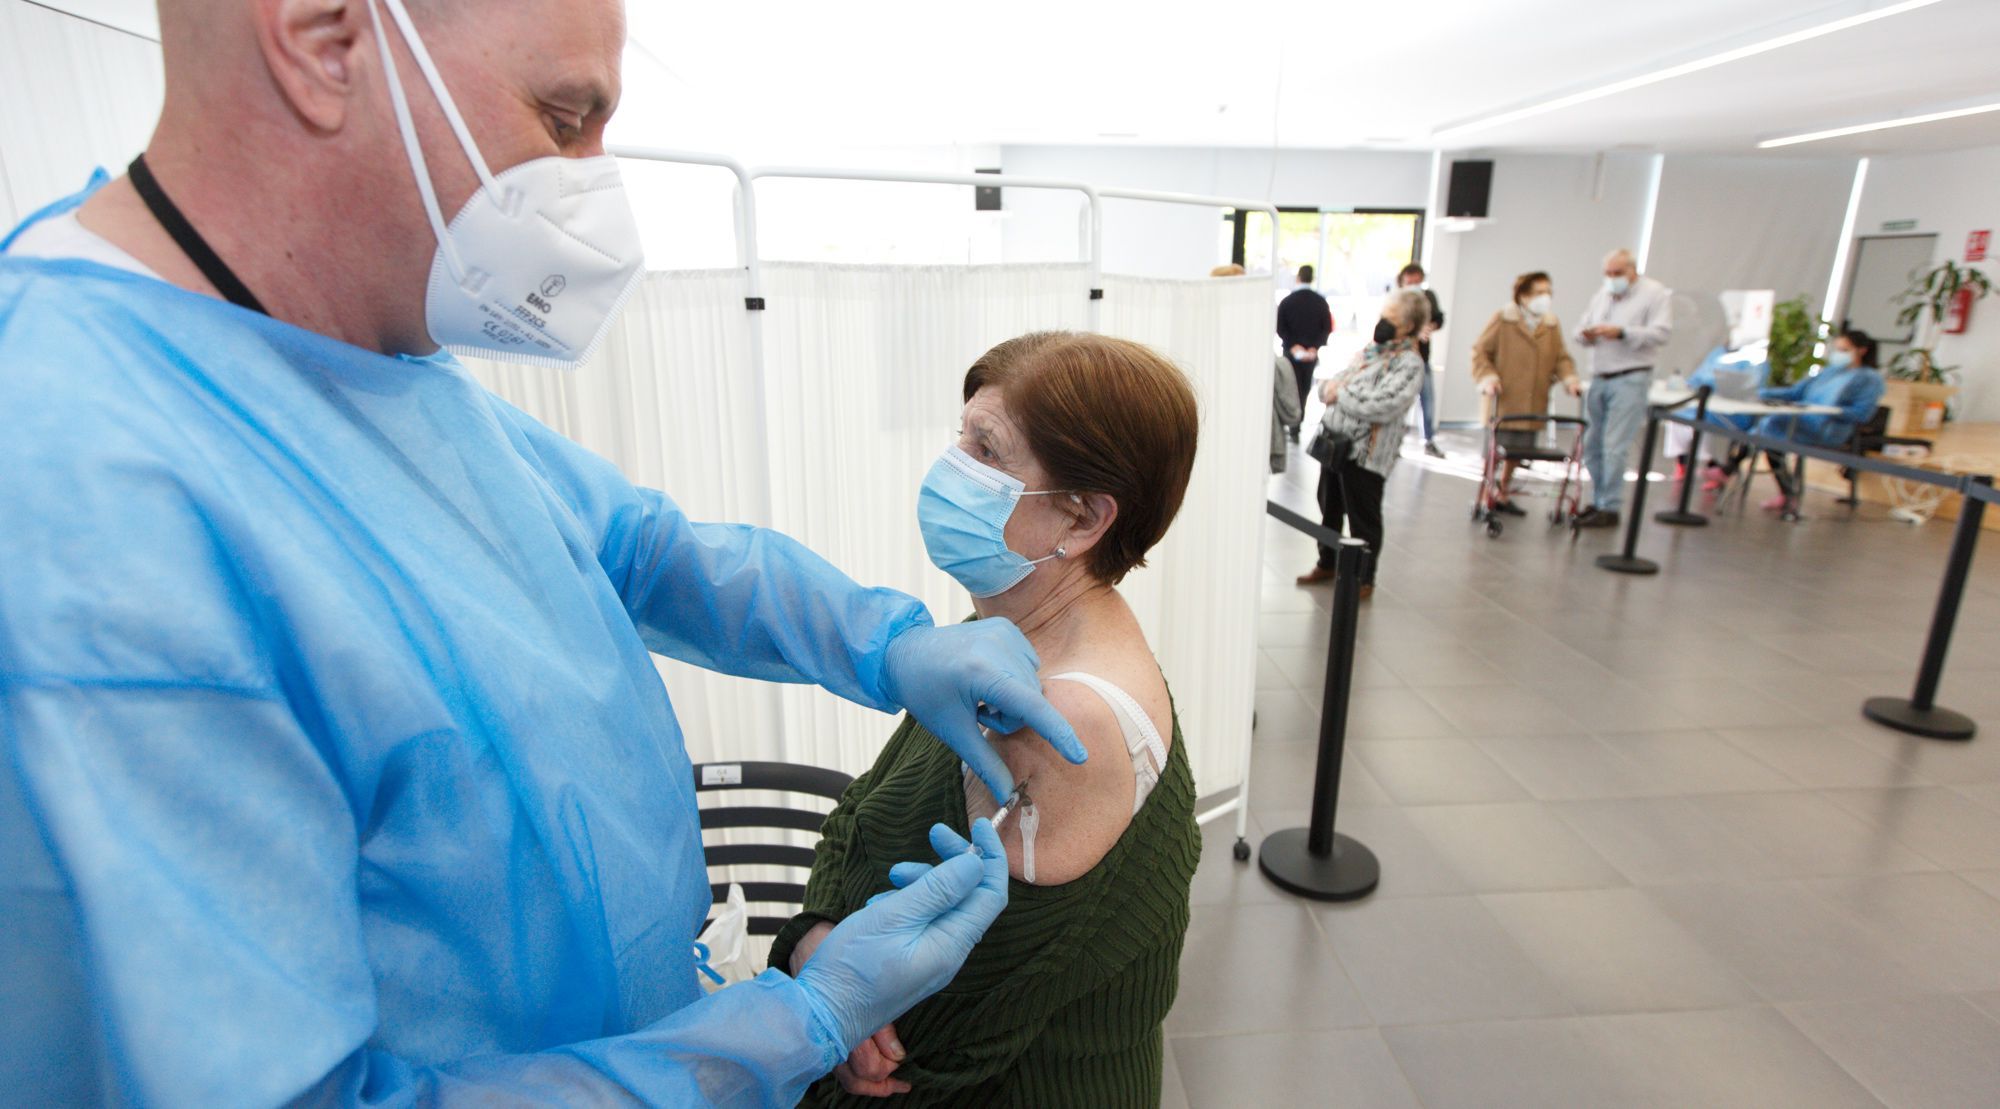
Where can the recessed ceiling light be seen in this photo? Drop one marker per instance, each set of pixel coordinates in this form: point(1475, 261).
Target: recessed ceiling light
point(1883, 125)
point(1654, 77)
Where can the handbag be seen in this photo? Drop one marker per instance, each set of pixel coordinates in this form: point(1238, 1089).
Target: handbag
point(1326, 446)
point(1335, 448)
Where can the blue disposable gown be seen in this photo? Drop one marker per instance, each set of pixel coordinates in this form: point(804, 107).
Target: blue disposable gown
point(1856, 391)
point(332, 762)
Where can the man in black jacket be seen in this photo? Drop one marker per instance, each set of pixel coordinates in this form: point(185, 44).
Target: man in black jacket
point(1413, 274)
point(1305, 321)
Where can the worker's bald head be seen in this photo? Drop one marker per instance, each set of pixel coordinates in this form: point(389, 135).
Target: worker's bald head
point(297, 91)
point(1620, 263)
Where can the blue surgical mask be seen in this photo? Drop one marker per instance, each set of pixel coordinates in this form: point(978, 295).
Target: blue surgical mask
point(1838, 360)
point(962, 511)
point(1618, 286)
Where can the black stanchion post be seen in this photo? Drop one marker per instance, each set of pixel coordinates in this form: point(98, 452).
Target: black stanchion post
point(1316, 861)
point(1683, 516)
point(1920, 714)
point(1629, 562)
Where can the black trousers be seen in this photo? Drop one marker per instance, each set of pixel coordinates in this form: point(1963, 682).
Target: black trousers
point(1302, 372)
point(1354, 494)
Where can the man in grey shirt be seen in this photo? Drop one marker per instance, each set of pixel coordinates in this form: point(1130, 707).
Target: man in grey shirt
point(1627, 323)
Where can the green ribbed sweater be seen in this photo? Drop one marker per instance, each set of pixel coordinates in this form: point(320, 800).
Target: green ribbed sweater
point(1062, 1001)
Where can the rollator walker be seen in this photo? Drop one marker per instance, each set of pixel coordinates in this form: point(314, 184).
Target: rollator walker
point(1569, 496)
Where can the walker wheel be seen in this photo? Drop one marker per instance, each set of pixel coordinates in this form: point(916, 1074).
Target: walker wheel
point(1493, 528)
point(1242, 852)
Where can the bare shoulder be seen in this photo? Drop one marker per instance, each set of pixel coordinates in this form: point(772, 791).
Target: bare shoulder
point(1082, 809)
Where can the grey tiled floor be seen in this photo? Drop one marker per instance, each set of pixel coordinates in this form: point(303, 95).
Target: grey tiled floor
point(1638, 845)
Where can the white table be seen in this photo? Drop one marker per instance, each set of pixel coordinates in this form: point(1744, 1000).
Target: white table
point(1664, 394)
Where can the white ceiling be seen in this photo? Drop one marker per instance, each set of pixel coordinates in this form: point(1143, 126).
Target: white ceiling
point(1263, 73)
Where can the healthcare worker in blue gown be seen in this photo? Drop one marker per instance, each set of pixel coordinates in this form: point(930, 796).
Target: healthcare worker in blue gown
point(333, 764)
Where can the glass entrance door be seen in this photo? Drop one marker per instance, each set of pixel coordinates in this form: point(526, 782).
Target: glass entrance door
point(1354, 255)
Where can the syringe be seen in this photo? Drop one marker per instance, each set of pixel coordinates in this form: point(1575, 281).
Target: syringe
point(1012, 804)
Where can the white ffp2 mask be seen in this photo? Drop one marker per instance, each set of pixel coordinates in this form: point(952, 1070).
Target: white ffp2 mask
point(540, 258)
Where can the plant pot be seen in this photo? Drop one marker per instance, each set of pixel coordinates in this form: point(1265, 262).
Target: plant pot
point(1916, 408)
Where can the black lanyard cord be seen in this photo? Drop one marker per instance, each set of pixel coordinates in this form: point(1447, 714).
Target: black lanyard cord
point(189, 240)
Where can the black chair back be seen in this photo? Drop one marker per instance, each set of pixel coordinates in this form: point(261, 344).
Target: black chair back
point(783, 777)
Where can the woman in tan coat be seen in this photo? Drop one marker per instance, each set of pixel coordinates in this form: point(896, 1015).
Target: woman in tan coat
point(1516, 361)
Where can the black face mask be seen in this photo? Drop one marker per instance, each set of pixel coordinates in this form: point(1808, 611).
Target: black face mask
point(1384, 331)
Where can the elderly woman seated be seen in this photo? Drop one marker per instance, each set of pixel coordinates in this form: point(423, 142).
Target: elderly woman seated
point(1072, 459)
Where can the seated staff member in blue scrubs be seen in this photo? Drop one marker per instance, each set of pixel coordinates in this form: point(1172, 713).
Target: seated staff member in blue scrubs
point(333, 764)
point(1849, 381)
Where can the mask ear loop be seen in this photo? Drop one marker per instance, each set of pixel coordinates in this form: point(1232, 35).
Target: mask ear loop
point(401, 14)
point(407, 128)
point(1061, 552)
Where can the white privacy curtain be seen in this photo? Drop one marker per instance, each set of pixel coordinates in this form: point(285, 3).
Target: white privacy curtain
point(673, 400)
point(1197, 597)
point(74, 95)
point(863, 367)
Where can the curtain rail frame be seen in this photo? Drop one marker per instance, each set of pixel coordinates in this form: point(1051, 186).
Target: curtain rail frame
point(1092, 244)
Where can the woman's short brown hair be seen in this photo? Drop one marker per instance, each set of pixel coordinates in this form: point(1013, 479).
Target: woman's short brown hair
point(1527, 281)
point(1101, 415)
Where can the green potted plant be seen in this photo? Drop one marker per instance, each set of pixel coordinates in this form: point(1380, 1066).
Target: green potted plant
point(1794, 334)
point(1920, 388)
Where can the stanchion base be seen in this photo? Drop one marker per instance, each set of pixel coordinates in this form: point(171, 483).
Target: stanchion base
point(1349, 872)
point(1634, 565)
point(1935, 723)
point(1682, 519)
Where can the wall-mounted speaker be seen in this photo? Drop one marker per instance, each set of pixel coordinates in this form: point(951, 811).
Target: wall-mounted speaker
point(1471, 183)
point(986, 198)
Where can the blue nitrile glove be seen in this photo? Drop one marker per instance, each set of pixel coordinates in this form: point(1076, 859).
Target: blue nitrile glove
point(953, 679)
point(904, 946)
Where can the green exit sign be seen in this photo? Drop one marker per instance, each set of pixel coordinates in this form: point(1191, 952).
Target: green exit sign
point(1899, 225)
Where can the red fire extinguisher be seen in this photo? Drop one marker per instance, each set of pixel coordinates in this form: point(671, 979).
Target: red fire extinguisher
point(1957, 312)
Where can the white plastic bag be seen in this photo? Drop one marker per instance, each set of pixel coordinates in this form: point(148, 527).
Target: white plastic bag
point(721, 955)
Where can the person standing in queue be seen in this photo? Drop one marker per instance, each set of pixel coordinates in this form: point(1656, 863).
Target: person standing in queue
point(1515, 362)
point(1627, 323)
point(1412, 277)
point(333, 764)
point(1305, 322)
point(1366, 405)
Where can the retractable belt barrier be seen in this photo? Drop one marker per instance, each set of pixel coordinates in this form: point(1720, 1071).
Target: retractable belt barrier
point(1918, 714)
point(1315, 861)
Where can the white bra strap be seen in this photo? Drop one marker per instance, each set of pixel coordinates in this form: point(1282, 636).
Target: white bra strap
point(1131, 718)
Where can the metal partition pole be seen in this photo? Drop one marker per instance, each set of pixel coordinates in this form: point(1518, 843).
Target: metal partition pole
point(1629, 562)
point(1205, 202)
point(1682, 516)
point(1315, 861)
point(745, 219)
point(1920, 714)
point(1094, 258)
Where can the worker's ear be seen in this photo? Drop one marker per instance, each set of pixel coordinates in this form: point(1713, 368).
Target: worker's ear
point(312, 48)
